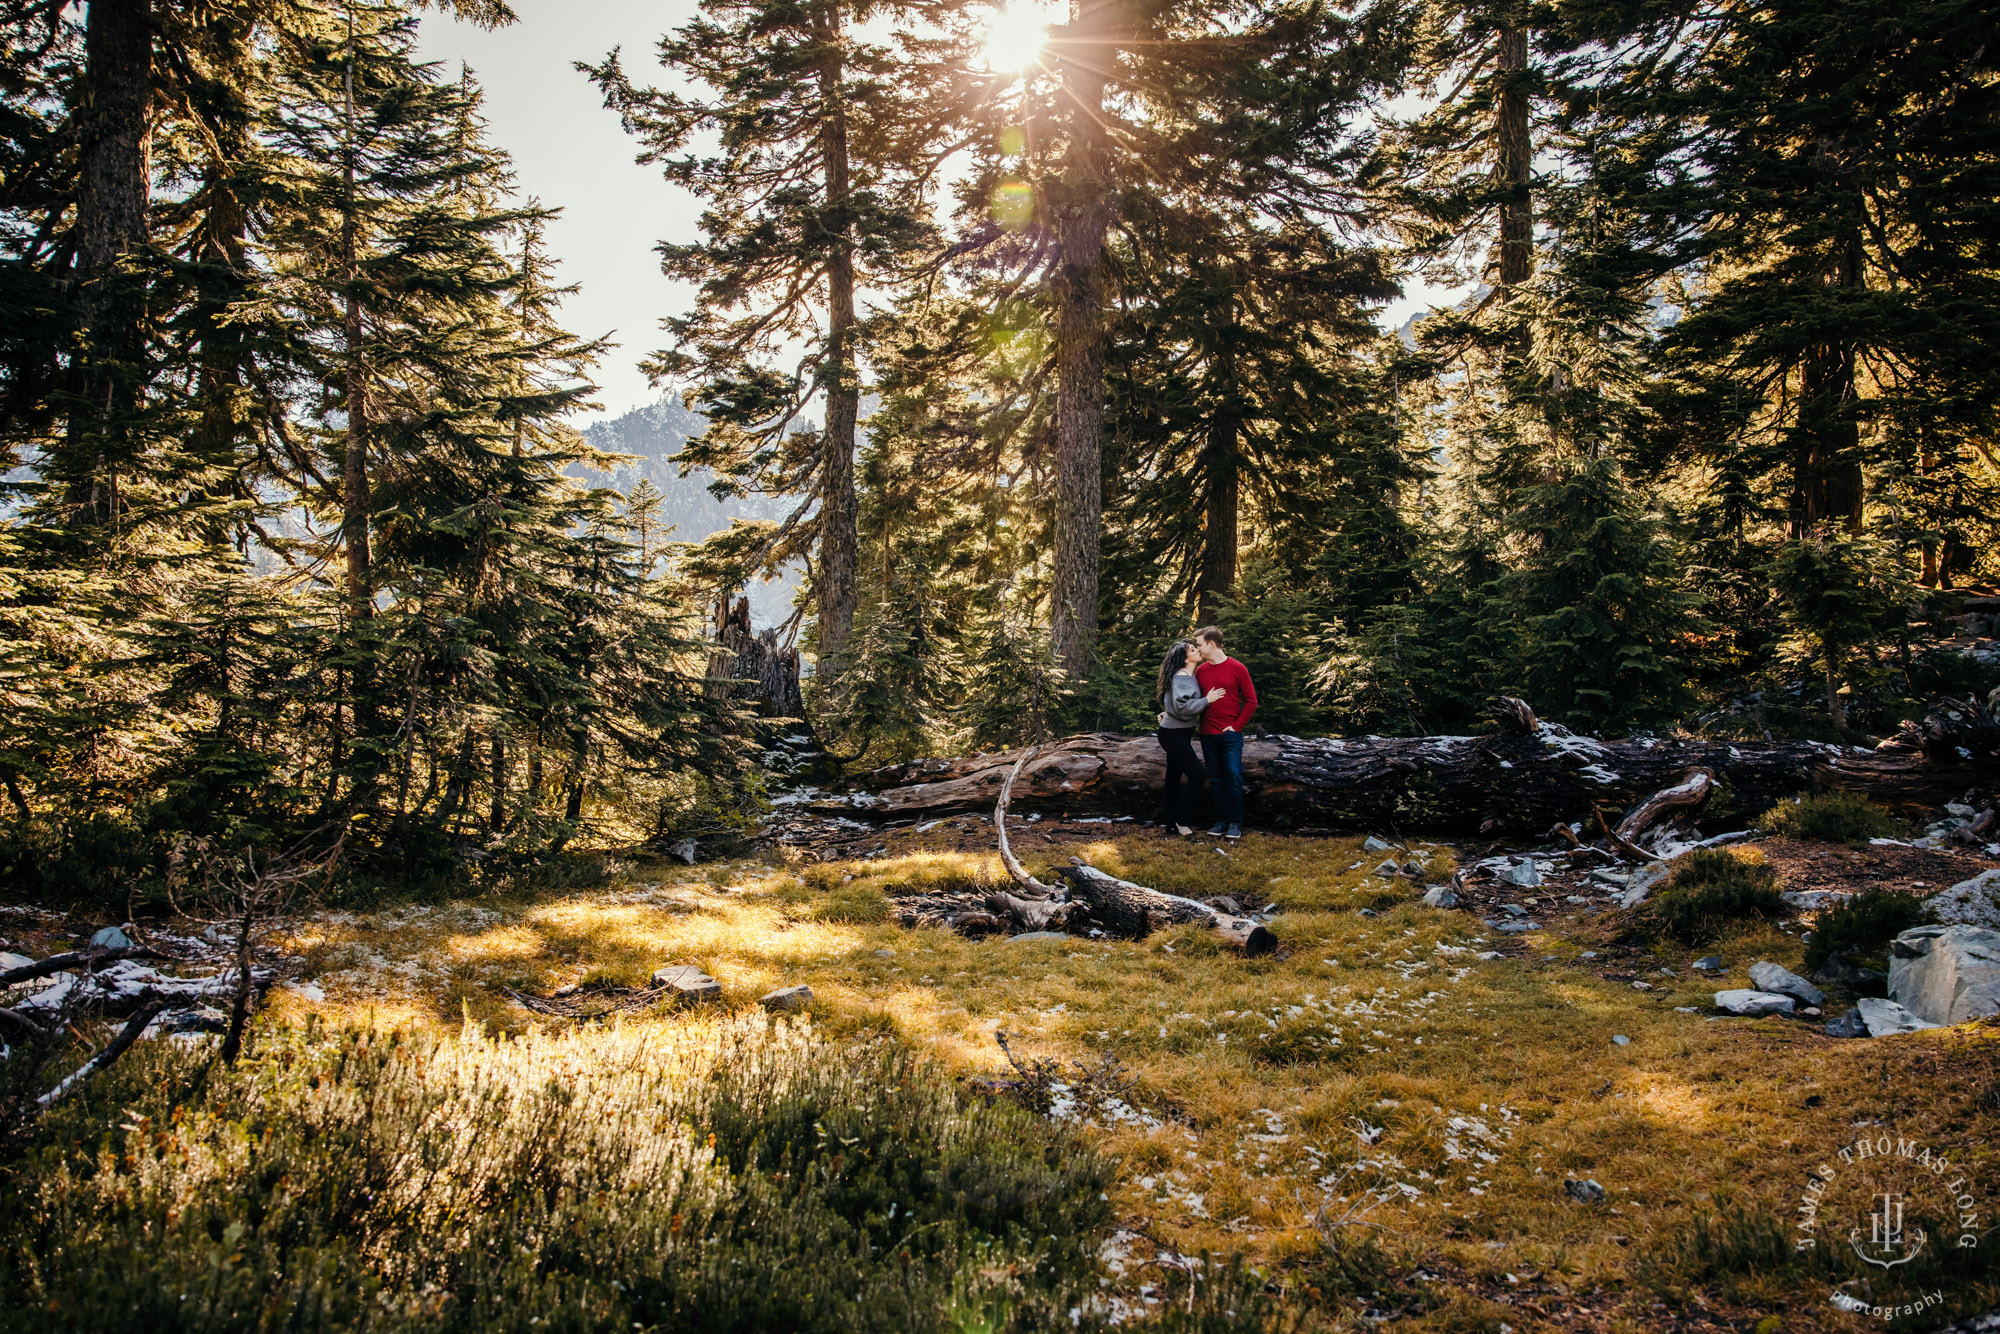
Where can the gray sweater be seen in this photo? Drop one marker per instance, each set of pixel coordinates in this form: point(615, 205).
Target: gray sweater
point(1184, 703)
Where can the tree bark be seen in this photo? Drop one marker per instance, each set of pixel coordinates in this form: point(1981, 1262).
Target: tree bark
point(1134, 911)
point(1082, 212)
point(1514, 163)
point(355, 501)
point(1222, 494)
point(114, 186)
point(1827, 482)
point(835, 574)
point(1515, 782)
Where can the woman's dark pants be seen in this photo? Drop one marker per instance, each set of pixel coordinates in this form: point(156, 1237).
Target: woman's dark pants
point(1182, 768)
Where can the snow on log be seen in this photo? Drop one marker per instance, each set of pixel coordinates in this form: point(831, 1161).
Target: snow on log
point(1514, 780)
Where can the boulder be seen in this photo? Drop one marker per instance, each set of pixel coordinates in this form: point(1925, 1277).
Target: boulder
point(1849, 1025)
point(1883, 1017)
point(1974, 902)
point(1584, 1192)
point(1746, 1002)
point(1946, 974)
point(1772, 977)
point(688, 983)
point(1441, 896)
point(787, 998)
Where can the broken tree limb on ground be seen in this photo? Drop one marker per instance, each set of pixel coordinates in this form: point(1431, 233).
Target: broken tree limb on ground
point(1515, 780)
point(1692, 790)
point(1134, 911)
point(1116, 907)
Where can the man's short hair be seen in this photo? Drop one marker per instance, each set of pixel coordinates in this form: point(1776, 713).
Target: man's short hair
point(1211, 634)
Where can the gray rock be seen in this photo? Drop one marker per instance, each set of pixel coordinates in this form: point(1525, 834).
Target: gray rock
point(1946, 974)
point(1369, 912)
point(1612, 879)
point(1036, 935)
point(1576, 898)
point(688, 982)
point(1441, 896)
point(1588, 954)
point(1387, 867)
point(1523, 873)
point(9, 961)
point(1974, 902)
point(1849, 1025)
point(787, 998)
point(685, 850)
point(1620, 1040)
point(1643, 882)
point(1771, 977)
point(1374, 844)
point(885, 954)
point(1584, 1192)
point(1713, 963)
point(1815, 900)
point(1883, 1017)
point(1746, 1002)
point(1514, 908)
point(1522, 924)
point(111, 938)
point(1489, 954)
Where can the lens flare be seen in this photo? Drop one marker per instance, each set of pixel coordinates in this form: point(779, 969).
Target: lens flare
point(1013, 204)
point(1014, 42)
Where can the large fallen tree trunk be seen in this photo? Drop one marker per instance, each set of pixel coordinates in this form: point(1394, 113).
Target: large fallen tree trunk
point(1520, 779)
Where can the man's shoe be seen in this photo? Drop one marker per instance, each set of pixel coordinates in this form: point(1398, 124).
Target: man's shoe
point(1216, 830)
point(1235, 831)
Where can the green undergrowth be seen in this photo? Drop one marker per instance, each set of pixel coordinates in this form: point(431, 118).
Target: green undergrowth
point(1862, 927)
point(728, 1174)
point(1711, 890)
point(1831, 817)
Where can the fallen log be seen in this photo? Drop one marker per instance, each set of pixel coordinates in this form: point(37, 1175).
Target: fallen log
point(1134, 911)
point(1116, 907)
point(1516, 780)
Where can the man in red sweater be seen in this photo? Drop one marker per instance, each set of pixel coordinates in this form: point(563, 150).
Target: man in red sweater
point(1222, 725)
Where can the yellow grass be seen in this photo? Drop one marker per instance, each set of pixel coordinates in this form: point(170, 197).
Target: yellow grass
point(1474, 1086)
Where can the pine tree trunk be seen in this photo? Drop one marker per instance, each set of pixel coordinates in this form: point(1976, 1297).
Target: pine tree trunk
point(114, 183)
point(496, 810)
point(221, 254)
point(1827, 461)
point(836, 575)
point(1082, 208)
point(1222, 492)
point(1514, 163)
point(355, 500)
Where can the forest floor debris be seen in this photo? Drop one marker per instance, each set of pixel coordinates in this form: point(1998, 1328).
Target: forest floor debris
point(1414, 1071)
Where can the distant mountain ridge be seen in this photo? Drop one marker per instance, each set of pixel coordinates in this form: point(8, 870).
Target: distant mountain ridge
point(654, 435)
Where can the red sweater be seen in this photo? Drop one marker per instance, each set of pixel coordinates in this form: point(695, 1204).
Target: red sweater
point(1235, 708)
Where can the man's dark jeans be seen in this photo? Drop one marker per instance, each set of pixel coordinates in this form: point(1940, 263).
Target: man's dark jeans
point(1223, 752)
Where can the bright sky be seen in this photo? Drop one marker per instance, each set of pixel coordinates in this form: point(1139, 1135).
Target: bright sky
point(569, 152)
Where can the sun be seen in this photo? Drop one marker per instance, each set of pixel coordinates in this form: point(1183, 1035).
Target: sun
point(1015, 39)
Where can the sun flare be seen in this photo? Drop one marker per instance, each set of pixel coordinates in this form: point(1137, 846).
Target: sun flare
point(1016, 37)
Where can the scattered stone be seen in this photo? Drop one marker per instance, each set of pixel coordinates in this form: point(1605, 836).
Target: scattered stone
point(1523, 873)
point(1841, 971)
point(1771, 977)
point(1815, 900)
point(1613, 879)
point(685, 850)
point(1619, 1039)
point(111, 938)
point(787, 998)
point(1849, 1025)
point(1576, 898)
point(1369, 912)
point(1489, 954)
point(1686, 1009)
point(1946, 974)
point(1588, 954)
point(1643, 882)
point(1036, 935)
point(1584, 1192)
point(1441, 896)
point(689, 982)
point(1642, 986)
point(1514, 908)
point(1374, 844)
point(1712, 963)
point(1522, 925)
point(1884, 1017)
point(1974, 902)
point(1753, 1003)
point(1387, 867)
point(885, 954)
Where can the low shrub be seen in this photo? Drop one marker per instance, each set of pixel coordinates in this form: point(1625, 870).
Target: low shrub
point(1861, 928)
point(1713, 889)
point(727, 1174)
point(859, 904)
point(1831, 817)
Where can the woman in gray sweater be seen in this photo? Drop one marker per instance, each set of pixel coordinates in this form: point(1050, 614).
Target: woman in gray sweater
point(1181, 703)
